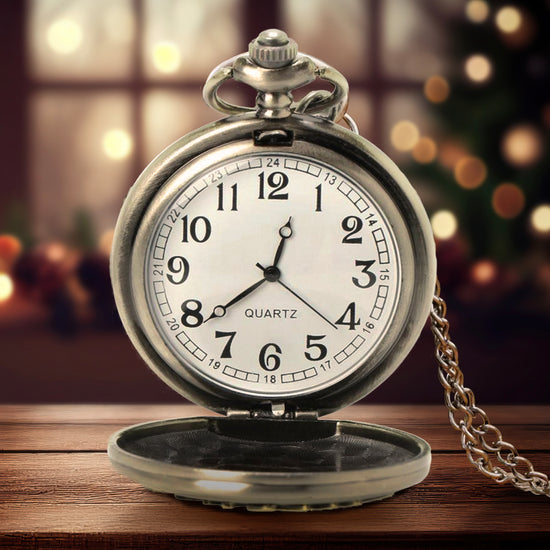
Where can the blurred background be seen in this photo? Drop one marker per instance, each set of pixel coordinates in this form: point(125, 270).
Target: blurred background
point(457, 92)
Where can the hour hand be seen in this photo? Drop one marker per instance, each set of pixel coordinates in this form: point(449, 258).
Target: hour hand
point(284, 232)
point(221, 310)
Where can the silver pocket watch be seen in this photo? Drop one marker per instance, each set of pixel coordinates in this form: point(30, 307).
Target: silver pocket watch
point(274, 267)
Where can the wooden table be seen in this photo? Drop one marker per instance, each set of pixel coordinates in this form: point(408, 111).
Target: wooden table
point(58, 490)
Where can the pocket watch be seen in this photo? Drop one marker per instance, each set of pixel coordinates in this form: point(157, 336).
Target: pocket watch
point(274, 267)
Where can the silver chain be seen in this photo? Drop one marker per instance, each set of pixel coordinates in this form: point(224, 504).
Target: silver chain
point(481, 440)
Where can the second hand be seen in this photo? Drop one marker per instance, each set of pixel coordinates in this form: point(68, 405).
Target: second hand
point(300, 298)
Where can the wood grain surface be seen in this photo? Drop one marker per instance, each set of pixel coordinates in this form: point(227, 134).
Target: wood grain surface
point(58, 490)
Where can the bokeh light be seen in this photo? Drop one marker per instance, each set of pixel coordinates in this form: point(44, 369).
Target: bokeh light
point(55, 251)
point(64, 36)
point(540, 218)
point(522, 145)
point(436, 89)
point(484, 272)
point(425, 150)
point(106, 242)
point(450, 152)
point(508, 200)
point(508, 19)
point(478, 68)
point(470, 172)
point(166, 57)
point(444, 224)
point(10, 249)
point(404, 135)
point(6, 287)
point(477, 11)
point(117, 143)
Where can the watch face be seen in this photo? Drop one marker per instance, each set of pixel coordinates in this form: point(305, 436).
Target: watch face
point(269, 273)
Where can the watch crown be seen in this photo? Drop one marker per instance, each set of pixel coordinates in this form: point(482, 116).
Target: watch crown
point(273, 49)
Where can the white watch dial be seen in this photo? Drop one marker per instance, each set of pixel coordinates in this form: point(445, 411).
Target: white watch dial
point(272, 274)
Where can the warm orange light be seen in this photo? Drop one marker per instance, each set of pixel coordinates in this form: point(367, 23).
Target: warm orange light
point(6, 287)
point(404, 135)
point(540, 218)
point(450, 152)
point(436, 89)
point(508, 19)
point(478, 68)
point(508, 200)
point(10, 249)
point(444, 224)
point(106, 242)
point(117, 144)
point(64, 36)
point(470, 172)
point(55, 252)
point(484, 272)
point(522, 145)
point(425, 150)
point(166, 57)
point(477, 11)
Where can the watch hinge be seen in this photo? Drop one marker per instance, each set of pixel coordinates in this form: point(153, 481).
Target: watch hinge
point(273, 137)
point(276, 410)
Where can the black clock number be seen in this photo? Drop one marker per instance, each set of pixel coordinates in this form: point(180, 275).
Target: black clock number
point(277, 181)
point(321, 349)
point(271, 361)
point(192, 316)
point(318, 191)
point(366, 265)
point(233, 197)
point(199, 229)
point(349, 318)
point(179, 270)
point(352, 225)
point(226, 353)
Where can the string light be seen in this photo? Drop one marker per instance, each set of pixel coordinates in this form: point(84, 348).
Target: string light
point(436, 89)
point(425, 150)
point(6, 287)
point(444, 224)
point(117, 144)
point(470, 172)
point(64, 36)
point(540, 218)
point(404, 135)
point(478, 68)
point(522, 145)
point(166, 57)
point(477, 11)
point(508, 19)
point(484, 272)
point(508, 200)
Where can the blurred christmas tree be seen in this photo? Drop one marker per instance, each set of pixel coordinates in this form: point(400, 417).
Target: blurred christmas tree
point(491, 179)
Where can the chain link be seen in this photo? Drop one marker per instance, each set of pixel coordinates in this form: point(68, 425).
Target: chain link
point(481, 440)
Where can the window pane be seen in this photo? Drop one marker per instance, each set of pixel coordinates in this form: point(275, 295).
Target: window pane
point(169, 115)
point(80, 159)
point(331, 31)
point(186, 38)
point(414, 35)
point(80, 39)
point(360, 109)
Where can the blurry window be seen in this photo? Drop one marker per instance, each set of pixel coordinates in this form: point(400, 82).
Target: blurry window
point(113, 82)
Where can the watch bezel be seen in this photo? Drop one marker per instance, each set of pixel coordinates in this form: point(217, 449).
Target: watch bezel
point(309, 134)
